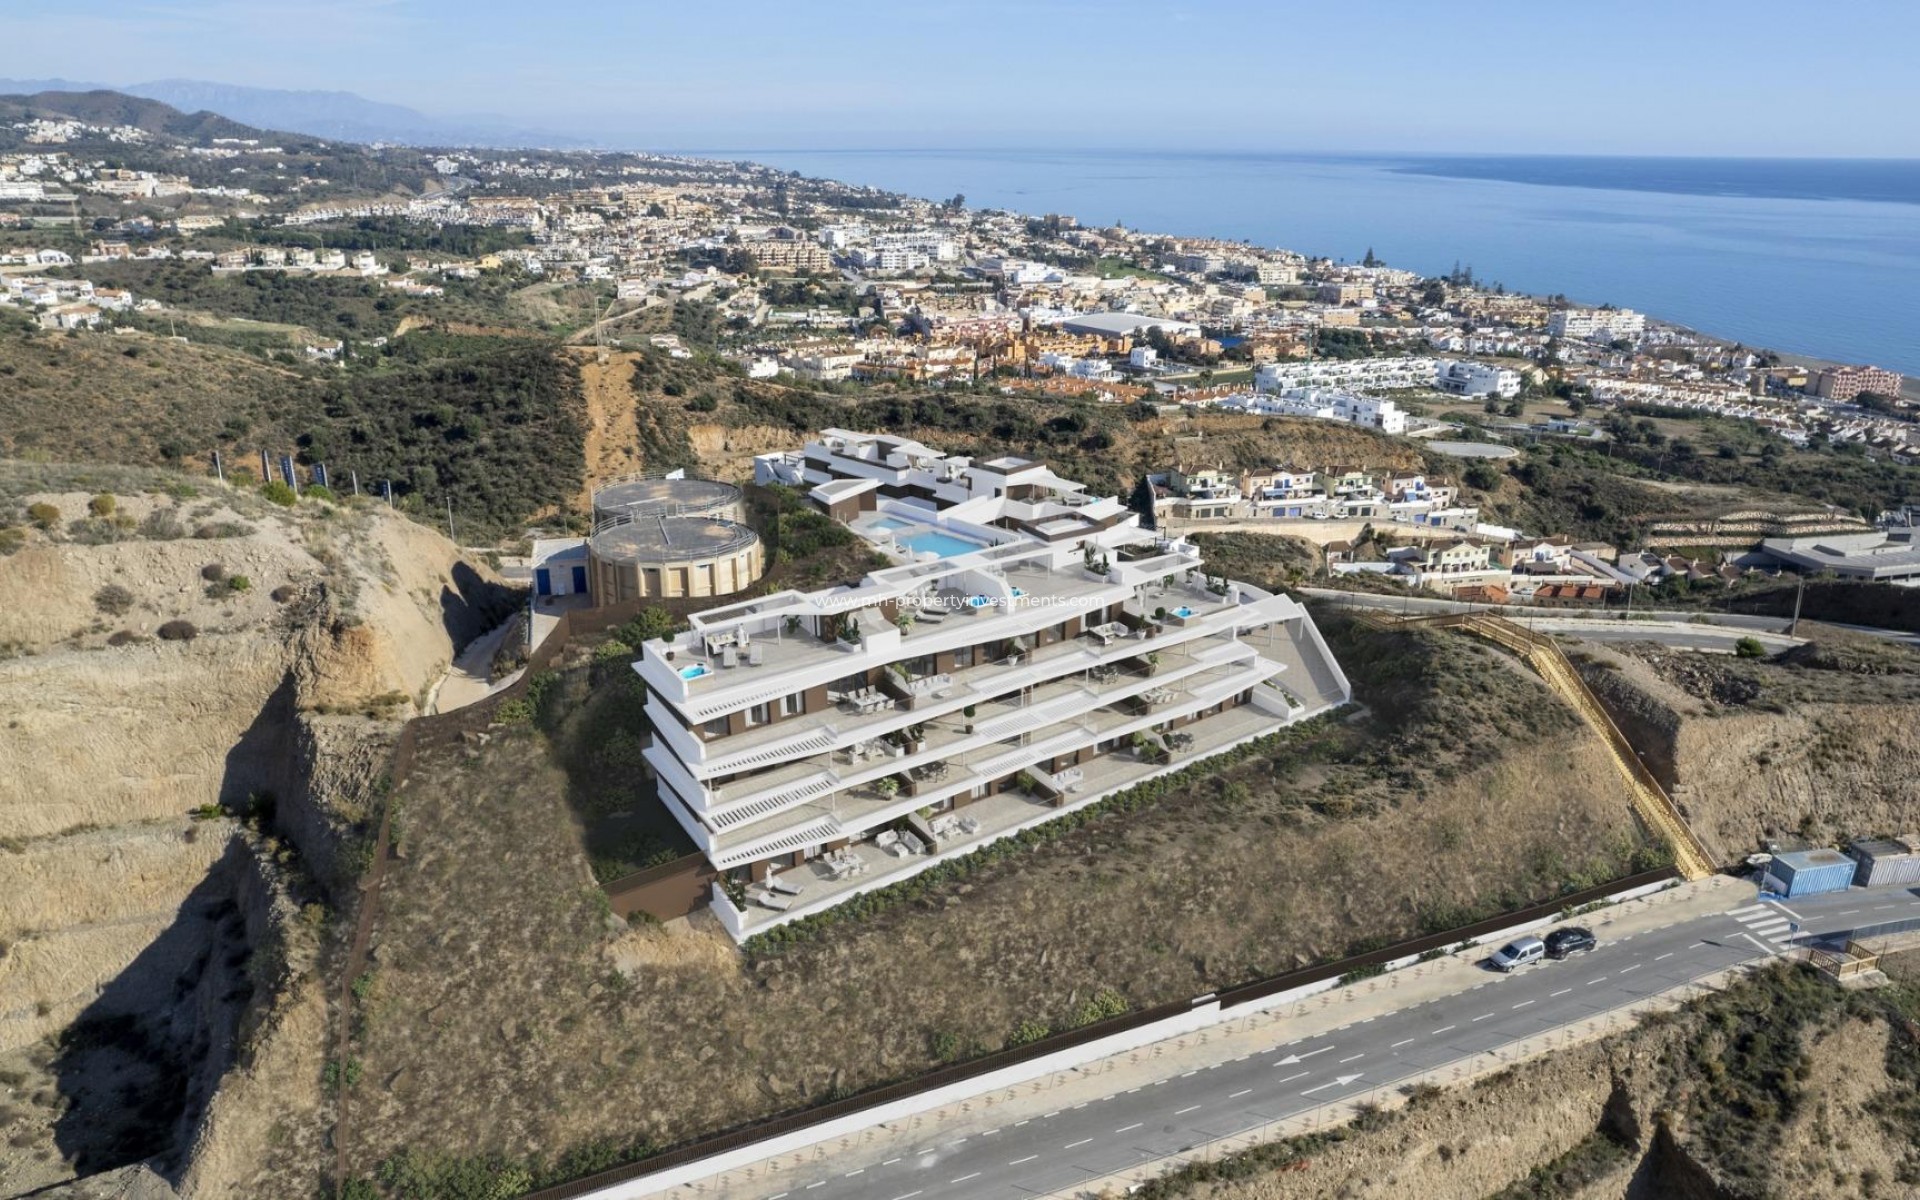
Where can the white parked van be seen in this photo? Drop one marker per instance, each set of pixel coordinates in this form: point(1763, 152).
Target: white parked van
point(1518, 953)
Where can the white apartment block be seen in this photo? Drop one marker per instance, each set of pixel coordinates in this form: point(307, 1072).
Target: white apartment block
point(1464, 378)
point(1353, 374)
point(1596, 324)
point(1030, 651)
point(1371, 411)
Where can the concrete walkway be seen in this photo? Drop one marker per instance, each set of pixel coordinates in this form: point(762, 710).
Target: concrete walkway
point(470, 680)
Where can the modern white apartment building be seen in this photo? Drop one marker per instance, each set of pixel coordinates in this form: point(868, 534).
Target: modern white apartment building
point(1464, 378)
point(1030, 650)
point(1371, 411)
point(1353, 374)
point(1596, 324)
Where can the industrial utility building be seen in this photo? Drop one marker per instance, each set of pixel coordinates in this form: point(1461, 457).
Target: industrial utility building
point(655, 537)
point(1030, 651)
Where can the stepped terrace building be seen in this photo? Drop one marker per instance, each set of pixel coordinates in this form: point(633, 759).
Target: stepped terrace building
point(1030, 651)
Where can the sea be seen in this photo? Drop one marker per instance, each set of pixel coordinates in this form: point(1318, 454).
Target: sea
point(1813, 257)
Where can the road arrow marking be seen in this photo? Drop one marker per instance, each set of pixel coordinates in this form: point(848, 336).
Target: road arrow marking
point(1291, 1059)
point(1342, 1081)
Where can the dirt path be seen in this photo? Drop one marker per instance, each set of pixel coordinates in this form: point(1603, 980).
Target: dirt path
point(613, 434)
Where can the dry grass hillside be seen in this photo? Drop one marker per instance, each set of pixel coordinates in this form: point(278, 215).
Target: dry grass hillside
point(172, 661)
point(1467, 789)
point(1816, 744)
point(1782, 1086)
point(133, 398)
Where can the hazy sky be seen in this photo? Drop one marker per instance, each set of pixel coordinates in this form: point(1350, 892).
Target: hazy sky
point(1811, 77)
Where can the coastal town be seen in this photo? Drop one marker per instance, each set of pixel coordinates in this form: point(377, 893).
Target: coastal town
point(576, 672)
point(843, 286)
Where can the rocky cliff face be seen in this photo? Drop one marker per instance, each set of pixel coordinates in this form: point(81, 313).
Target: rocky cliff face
point(1804, 747)
point(178, 674)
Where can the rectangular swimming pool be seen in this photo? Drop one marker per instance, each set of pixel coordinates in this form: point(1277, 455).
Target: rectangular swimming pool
point(941, 545)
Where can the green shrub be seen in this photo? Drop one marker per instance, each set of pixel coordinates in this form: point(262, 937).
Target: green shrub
point(1750, 647)
point(45, 515)
point(102, 505)
point(279, 493)
point(238, 583)
point(517, 711)
point(178, 631)
point(1028, 1032)
point(12, 538)
point(320, 491)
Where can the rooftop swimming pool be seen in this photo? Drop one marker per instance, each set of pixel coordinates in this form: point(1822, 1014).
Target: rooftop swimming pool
point(1183, 612)
point(940, 545)
point(694, 672)
point(891, 525)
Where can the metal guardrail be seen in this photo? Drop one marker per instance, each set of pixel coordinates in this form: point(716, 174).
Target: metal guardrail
point(1650, 800)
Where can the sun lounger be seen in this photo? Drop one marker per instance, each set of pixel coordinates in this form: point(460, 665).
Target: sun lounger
point(783, 885)
point(773, 901)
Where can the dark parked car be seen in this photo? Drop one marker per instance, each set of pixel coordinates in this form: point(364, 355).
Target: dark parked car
point(1562, 943)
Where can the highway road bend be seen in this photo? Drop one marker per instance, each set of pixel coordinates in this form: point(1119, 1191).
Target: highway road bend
point(1310, 1062)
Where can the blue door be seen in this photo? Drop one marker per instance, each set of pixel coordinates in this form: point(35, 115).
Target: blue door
point(580, 581)
point(542, 582)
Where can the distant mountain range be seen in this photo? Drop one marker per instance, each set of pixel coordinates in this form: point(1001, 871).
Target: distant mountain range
point(339, 115)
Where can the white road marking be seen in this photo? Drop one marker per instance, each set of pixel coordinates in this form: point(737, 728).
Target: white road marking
point(1668, 954)
point(1523, 1004)
point(1071, 1145)
point(1054, 1113)
point(1301, 1075)
point(1130, 1128)
point(1240, 1093)
point(1351, 1057)
point(1764, 948)
point(1600, 979)
point(1184, 1111)
point(889, 1162)
point(1561, 992)
point(909, 1196)
point(964, 1178)
point(1444, 1029)
point(1751, 908)
point(851, 1174)
point(1402, 1042)
point(1029, 1158)
point(1482, 1017)
point(1634, 967)
point(1290, 1059)
point(1783, 908)
point(812, 1186)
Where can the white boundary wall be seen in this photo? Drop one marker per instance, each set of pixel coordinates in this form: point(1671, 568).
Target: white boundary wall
point(1206, 1012)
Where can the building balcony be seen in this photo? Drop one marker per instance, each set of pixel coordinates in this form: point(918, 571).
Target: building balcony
point(824, 881)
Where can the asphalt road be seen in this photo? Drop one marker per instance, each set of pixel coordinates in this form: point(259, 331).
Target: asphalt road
point(1702, 620)
point(1063, 1149)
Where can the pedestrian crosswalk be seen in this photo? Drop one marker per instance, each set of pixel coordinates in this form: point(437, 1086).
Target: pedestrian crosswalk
point(1766, 923)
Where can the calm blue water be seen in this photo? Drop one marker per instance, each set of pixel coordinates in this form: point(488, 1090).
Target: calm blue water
point(1816, 258)
point(942, 545)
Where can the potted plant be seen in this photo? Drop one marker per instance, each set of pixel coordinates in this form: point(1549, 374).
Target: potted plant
point(1152, 660)
point(889, 787)
point(968, 713)
point(792, 625)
